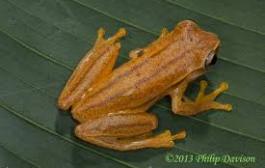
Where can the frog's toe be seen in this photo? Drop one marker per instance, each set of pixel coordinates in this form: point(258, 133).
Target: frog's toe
point(202, 96)
point(203, 86)
point(179, 135)
point(208, 100)
point(220, 106)
point(222, 87)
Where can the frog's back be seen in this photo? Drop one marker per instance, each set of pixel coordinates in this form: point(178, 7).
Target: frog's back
point(163, 63)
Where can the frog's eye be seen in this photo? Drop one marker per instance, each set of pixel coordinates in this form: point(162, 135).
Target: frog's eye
point(211, 59)
point(214, 60)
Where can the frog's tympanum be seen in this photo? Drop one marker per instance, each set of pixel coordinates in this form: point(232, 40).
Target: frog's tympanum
point(111, 104)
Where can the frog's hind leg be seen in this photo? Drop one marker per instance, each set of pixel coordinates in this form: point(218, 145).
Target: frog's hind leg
point(184, 106)
point(93, 68)
point(126, 132)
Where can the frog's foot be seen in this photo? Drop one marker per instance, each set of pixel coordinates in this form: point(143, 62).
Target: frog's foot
point(208, 99)
point(126, 132)
point(203, 102)
point(93, 68)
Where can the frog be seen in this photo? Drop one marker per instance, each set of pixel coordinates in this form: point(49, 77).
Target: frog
point(111, 104)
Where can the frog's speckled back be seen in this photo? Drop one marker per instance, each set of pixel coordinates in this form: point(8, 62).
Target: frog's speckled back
point(163, 63)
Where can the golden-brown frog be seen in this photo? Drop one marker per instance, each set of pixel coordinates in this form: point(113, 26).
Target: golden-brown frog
point(111, 104)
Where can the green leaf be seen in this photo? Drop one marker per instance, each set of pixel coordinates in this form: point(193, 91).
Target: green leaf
point(42, 41)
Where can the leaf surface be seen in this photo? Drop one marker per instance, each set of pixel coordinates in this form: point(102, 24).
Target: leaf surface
point(42, 41)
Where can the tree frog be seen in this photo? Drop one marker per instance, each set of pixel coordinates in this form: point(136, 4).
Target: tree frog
point(111, 104)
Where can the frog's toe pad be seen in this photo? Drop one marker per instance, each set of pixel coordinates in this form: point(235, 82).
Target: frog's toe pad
point(226, 107)
point(179, 135)
point(207, 100)
point(202, 96)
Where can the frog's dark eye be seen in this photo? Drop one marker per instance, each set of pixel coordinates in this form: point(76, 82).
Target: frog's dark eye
point(214, 60)
point(211, 59)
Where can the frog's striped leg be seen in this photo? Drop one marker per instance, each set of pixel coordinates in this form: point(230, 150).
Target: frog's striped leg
point(94, 67)
point(126, 132)
point(83, 116)
point(184, 106)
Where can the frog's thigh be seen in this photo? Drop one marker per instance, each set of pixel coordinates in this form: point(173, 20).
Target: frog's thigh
point(184, 106)
point(126, 132)
point(90, 115)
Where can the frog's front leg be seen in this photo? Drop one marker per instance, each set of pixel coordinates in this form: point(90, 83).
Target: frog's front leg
point(96, 65)
point(126, 132)
point(184, 106)
point(152, 48)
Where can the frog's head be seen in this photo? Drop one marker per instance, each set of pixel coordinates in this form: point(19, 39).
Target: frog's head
point(204, 45)
point(210, 57)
